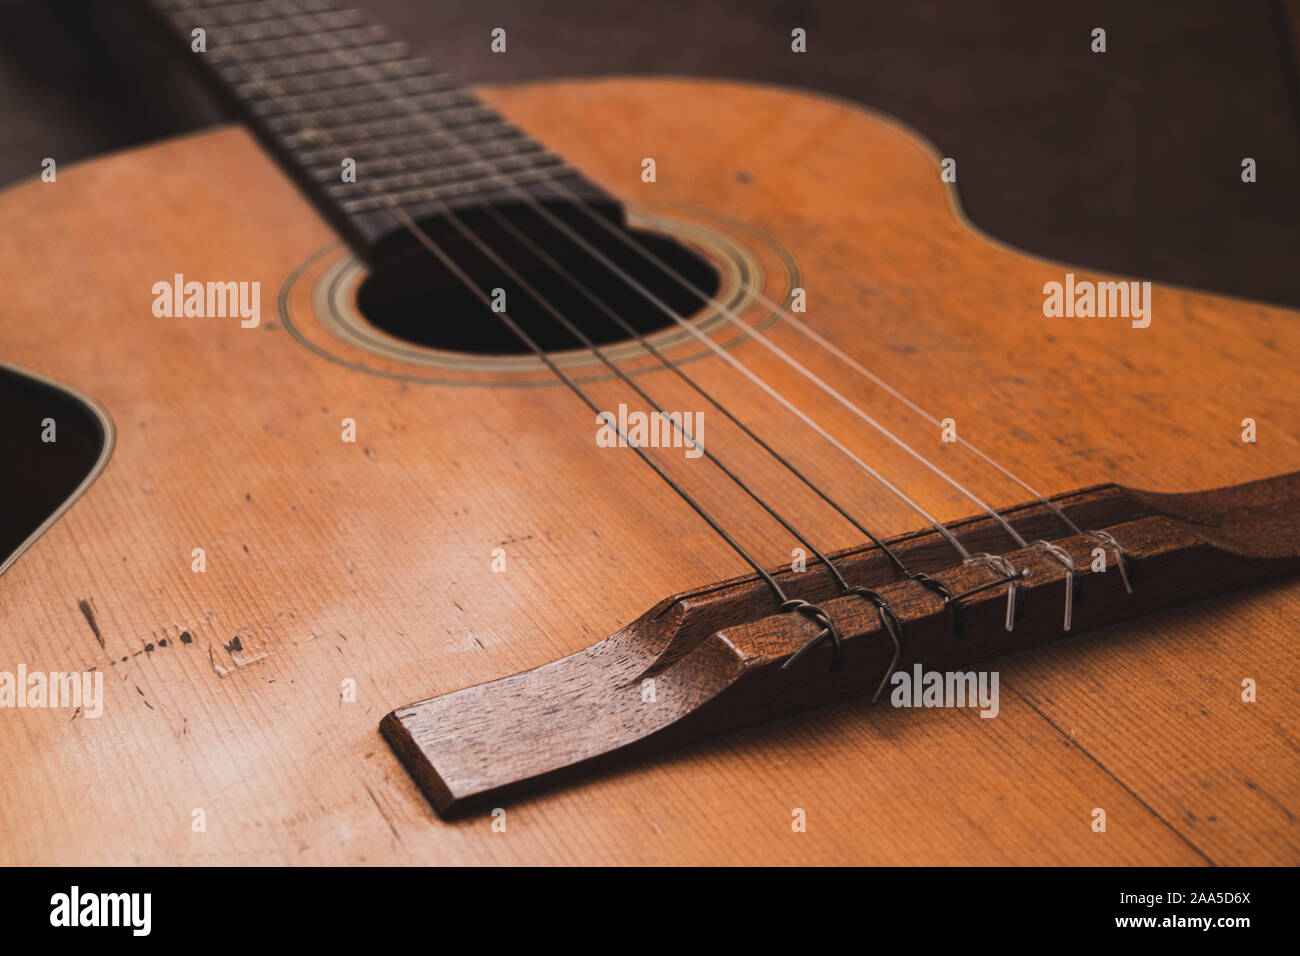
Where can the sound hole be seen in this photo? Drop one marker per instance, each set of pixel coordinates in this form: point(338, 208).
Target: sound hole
point(412, 295)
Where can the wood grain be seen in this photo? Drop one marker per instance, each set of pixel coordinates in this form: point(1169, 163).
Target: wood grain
point(372, 561)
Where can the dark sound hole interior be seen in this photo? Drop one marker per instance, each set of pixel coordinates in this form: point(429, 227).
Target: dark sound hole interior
point(410, 294)
point(37, 476)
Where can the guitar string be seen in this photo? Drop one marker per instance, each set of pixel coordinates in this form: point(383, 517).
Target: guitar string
point(404, 220)
point(676, 422)
point(351, 67)
point(880, 383)
point(535, 248)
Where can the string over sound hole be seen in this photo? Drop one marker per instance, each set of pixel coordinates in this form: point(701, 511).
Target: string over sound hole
point(414, 297)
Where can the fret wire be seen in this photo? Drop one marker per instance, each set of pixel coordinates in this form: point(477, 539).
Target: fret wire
point(469, 188)
point(411, 162)
point(322, 101)
point(412, 70)
point(228, 12)
point(296, 45)
point(487, 133)
point(393, 126)
point(275, 31)
point(310, 84)
point(232, 14)
point(461, 171)
point(309, 63)
point(355, 113)
point(220, 50)
point(365, 131)
point(431, 179)
point(268, 33)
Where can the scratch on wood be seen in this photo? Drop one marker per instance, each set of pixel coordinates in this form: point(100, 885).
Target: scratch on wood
point(90, 619)
point(382, 812)
point(1271, 799)
point(221, 671)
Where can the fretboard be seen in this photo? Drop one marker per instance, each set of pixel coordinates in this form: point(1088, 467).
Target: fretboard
point(320, 86)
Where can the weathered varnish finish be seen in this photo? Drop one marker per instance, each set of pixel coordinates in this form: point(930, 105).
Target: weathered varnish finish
point(329, 561)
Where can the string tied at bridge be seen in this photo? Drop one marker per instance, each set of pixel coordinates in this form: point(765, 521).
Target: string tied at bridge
point(951, 601)
point(1010, 577)
point(891, 625)
point(829, 630)
point(1063, 556)
point(1108, 540)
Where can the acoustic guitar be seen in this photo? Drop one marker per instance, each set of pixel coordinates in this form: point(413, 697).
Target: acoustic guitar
point(617, 471)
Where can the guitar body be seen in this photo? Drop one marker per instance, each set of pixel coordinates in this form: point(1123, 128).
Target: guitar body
point(475, 528)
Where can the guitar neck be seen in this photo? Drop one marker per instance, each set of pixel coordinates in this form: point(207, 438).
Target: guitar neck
point(368, 131)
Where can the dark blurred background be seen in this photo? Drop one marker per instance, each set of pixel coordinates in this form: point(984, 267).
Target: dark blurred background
point(1128, 161)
